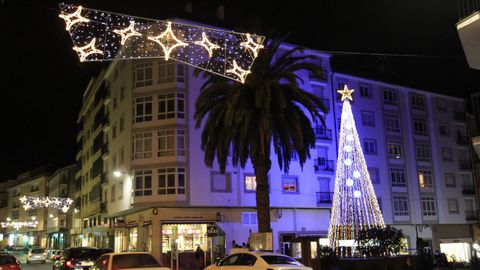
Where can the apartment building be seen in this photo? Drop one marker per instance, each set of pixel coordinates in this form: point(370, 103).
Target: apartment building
point(58, 222)
point(157, 195)
point(417, 148)
point(4, 209)
point(31, 183)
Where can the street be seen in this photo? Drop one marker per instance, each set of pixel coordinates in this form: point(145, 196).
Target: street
point(21, 256)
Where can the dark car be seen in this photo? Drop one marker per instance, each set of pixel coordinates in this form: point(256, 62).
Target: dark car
point(77, 258)
point(9, 262)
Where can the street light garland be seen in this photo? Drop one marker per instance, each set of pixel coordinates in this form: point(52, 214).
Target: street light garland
point(19, 224)
point(99, 36)
point(32, 202)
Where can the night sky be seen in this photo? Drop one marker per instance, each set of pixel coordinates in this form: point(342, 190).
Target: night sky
point(404, 42)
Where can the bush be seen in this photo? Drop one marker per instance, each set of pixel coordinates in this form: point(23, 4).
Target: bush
point(380, 241)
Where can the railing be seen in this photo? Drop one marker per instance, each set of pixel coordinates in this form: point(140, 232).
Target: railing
point(324, 198)
point(324, 165)
point(468, 189)
point(322, 133)
point(471, 215)
point(465, 164)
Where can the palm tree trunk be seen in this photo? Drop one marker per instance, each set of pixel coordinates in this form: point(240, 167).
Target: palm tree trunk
point(261, 167)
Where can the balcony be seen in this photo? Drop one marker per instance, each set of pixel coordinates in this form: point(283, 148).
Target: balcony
point(465, 164)
point(322, 133)
point(462, 140)
point(468, 189)
point(322, 164)
point(324, 198)
point(471, 215)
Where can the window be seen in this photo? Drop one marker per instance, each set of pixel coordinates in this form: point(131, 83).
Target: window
point(420, 127)
point(15, 214)
point(398, 177)
point(171, 181)
point(114, 130)
point(365, 91)
point(447, 154)
point(122, 92)
point(368, 118)
point(32, 212)
point(122, 123)
point(422, 152)
point(428, 206)
point(443, 129)
point(143, 74)
point(425, 178)
point(220, 182)
point(290, 184)
point(370, 146)
point(400, 205)
point(452, 206)
point(390, 97)
point(374, 177)
point(394, 150)
point(250, 183)
point(122, 155)
point(450, 180)
point(142, 109)
point(143, 183)
point(120, 190)
point(180, 72)
point(142, 145)
point(166, 71)
point(171, 142)
point(171, 105)
point(249, 218)
point(441, 104)
point(418, 102)
point(113, 192)
point(392, 122)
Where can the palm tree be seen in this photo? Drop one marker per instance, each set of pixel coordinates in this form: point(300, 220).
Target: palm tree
point(270, 108)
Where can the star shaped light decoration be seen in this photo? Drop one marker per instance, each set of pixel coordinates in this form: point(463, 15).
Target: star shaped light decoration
point(251, 45)
point(207, 44)
point(167, 48)
point(127, 32)
point(73, 18)
point(346, 93)
point(241, 73)
point(87, 50)
point(32, 202)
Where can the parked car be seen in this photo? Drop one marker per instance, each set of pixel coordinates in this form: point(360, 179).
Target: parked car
point(55, 255)
point(36, 255)
point(137, 260)
point(106, 250)
point(259, 261)
point(9, 262)
point(78, 258)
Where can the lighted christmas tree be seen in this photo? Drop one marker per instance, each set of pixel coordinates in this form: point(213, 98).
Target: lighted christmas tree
point(355, 205)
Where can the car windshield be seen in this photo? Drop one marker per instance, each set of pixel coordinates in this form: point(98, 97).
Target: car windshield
point(37, 250)
point(133, 261)
point(85, 254)
point(7, 260)
point(277, 259)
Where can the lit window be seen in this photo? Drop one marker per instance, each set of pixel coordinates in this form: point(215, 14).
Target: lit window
point(250, 183)
point(394, 150)
point(142, 145)
point(290, 184)
point(171, 142)
point(425, 178)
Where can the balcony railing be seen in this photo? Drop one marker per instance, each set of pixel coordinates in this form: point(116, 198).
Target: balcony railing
point(465, 164)
point(323, 133)
point(468, 189)
point(471, 215)
point(462, 140)
point(322, 164)
point(324, 198)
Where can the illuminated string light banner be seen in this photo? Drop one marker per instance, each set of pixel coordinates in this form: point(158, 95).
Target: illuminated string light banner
point(99, 36)
point(19, 224)
point(32, 202)
point(355, 206)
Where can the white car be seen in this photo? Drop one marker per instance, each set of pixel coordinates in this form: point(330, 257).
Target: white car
point(253, 260)
point(128, 260)
point(36, 255)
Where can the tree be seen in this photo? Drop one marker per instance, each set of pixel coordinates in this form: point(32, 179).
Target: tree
point(380, 241)
point(270, 108)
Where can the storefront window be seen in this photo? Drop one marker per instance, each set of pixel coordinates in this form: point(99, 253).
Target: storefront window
point(313, 249)
point(189, 236)
point(458, 252)
point(133, 237)
point(297, 250)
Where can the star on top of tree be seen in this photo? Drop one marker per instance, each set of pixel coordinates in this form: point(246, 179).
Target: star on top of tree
point(346, 93)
